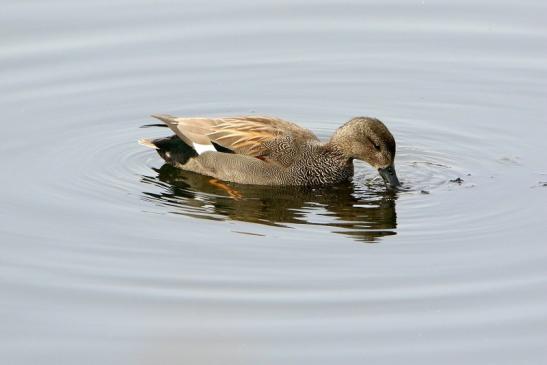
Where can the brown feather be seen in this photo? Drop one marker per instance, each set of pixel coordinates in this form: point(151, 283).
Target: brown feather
point(247, 135)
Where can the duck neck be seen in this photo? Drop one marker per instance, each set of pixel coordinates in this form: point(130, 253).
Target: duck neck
point(340, 142)
point(338, 149)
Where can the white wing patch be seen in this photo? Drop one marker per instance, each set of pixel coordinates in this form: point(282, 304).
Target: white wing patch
point(201, 148)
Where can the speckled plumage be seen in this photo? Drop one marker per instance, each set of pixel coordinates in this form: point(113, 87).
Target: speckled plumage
point(270, 151)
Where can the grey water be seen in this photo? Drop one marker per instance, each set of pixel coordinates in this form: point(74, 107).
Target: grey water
point(108, 257)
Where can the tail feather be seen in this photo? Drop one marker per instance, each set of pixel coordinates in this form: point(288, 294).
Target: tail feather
point(154, 125)
point(166, 118)
point(172, 149)
point(148, 143)
point(195, 139)
point(171, 122)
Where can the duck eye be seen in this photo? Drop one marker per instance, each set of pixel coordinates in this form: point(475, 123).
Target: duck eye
point(376, 146)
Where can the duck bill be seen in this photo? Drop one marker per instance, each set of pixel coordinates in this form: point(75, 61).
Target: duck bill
point(390, 176)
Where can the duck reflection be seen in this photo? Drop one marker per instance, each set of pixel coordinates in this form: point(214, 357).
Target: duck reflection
point(365, 215)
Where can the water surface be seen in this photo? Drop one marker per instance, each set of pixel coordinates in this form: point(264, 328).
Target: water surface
point(109, 257)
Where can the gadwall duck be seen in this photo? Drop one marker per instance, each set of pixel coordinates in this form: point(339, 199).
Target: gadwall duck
point(270, 151)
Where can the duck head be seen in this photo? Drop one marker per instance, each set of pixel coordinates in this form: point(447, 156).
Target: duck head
point(368, 139)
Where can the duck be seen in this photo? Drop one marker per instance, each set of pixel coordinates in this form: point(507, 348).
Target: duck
point(264, 150)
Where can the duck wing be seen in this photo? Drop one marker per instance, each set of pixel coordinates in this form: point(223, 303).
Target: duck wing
point(247, 135)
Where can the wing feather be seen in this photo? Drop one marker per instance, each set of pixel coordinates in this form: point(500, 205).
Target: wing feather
point(248, 135)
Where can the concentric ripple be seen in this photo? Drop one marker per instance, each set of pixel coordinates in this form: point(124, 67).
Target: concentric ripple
point(107, 166)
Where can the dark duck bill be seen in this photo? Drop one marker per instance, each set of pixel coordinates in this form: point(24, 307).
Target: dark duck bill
point(390, 176)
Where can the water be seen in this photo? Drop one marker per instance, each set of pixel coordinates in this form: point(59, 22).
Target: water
point(110, 258)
